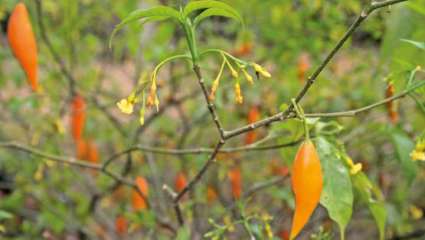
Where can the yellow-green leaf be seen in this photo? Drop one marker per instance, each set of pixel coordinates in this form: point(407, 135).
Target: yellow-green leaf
point(152, 14)
point(206, 4)
point(215, 12)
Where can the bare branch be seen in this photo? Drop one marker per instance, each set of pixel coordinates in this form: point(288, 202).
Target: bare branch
point(210, 105)
point(284, 115)
point(52, 50)
point(355, 112)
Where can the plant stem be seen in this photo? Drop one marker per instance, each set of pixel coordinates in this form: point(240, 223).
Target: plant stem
point(191, 41)
point(301, 115)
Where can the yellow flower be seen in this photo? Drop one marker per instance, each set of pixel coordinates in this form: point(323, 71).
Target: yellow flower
point(233, 72)
point(59, 126)
point(417, 155)
point(419, 152)
point(142, 116)
point(126, 106)
point(238, 93)
point(214, 89)
point(228, 222)
point(354, 168)
point(152, 99)
point(247, 76)
point(415, 212)
point(259, 69)
point(156, 102)
point(269, 231)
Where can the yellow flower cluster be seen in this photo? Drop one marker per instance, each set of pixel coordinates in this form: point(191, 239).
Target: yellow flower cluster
point(260, 70)
point(153, 97)
point(127, 105)
point(238, 93)
point(241, 66)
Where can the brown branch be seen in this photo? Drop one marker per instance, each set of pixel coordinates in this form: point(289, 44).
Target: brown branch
point(355, 112)
point(210, 104)
point(71, 161)
point(74, 162)
point(199, 151)
point(200, 173)
point(263, 185)
point(52, 50)
point(285, 114)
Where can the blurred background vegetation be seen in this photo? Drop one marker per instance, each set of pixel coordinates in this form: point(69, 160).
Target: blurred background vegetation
point(42, 199)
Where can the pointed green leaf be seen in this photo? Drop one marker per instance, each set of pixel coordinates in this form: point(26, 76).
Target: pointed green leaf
point(337, 194)
point(417, 6)
point(404, 146)
point(215, 12)
point(152, 14)
point(205, 4)
point(372, 196)
point(5, 215)
point(379, 213)
point(420, 45)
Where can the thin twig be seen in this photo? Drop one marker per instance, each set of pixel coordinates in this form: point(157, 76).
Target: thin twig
point(355, 112)
point(285, 114)
point(200, 173)
point(71, 161)
point(52, 50)
point(198, 151)
point(210, 104)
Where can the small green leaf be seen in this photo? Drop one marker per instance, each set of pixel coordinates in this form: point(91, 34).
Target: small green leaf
point(5, 215)
point(205, 4)
point(420, 45)
point(337, 194)
point(215, 12)
point(152, 14)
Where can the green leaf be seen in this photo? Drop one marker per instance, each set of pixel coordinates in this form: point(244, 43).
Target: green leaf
point(420, 45)
point(337, 194)
point(404, 146)
point(152, 14)
point(215, 12)
point(5, 215)
point(379, 213)
point(372, 196)
point(183, 233)
point(417, 6)
point(207, 4)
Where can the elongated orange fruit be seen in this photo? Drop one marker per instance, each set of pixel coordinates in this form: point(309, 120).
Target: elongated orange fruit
point(391, 107)
point(236, 182)
point(253, 116)
point(138, 201)
point(78, 117)
point(22, 42)
point(307, 183)
point(180, 182)
point(121, 225)
point(303, 66)
point(211, 194)
point(92, 153)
